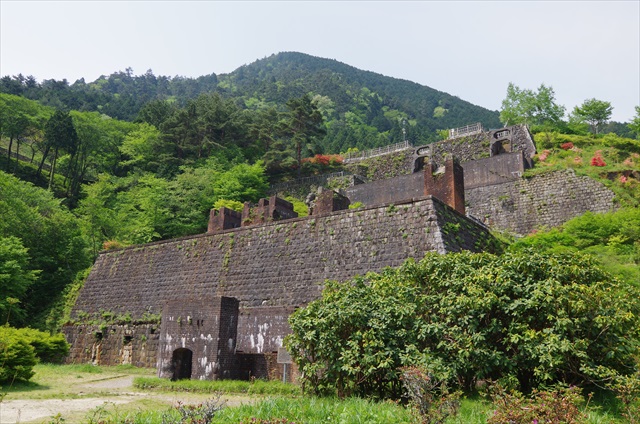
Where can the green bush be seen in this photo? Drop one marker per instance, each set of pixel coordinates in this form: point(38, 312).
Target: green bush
point(48, 348)
point(17, 356)
point(532, 318)
point(613, 238)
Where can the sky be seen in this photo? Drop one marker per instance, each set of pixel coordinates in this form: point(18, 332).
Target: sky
point(470, 49)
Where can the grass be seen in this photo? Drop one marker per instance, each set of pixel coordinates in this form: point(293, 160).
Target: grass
point(153, 400)
point(63, 381)
point(474, 410)
point(257, 387)
point(309, 410)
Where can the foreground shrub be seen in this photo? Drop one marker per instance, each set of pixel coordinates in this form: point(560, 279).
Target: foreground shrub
point(558, 406)
point(197, 414)
point(17, 356)
point(627, 390)
point(48, 348)
point(534, 318)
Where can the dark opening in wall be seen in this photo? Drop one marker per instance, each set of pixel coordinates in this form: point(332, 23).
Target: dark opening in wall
point(181, 362)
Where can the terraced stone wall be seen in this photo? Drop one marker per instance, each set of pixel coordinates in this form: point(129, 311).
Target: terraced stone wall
point(546, 200)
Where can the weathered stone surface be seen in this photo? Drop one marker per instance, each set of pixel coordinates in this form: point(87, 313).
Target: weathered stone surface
point(207, 328)
point(546, 200)
point(270, 269)
point(135, 344)
point(278, 264)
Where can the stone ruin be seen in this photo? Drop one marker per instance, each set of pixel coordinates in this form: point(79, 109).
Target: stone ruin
point(215, 305)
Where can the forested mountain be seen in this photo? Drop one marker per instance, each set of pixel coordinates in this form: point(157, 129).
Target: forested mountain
point(361, 108)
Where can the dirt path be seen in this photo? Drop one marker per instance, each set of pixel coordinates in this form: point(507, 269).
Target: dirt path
point(109, 392)
point(23, 411)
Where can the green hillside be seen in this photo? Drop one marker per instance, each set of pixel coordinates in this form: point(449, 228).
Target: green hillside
point(361, 109)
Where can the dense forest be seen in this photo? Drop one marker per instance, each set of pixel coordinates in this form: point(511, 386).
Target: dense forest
point(361, 109)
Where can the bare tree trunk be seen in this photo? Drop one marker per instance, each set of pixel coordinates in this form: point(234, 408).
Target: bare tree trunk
point(44, 156)
point(9, 153)
point(53, 168)
point(15, 169)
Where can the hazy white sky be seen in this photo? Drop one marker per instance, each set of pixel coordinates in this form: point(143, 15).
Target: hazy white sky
point(471, 49)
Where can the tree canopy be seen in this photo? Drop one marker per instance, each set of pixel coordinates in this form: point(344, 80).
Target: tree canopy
point(595, 112)
point(524, 106)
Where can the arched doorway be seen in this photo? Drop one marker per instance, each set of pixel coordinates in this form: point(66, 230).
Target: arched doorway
point(181, 364)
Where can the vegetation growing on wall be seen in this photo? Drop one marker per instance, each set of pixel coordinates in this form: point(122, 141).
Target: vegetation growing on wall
point(610, 159)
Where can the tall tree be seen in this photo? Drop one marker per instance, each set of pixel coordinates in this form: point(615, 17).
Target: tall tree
point(14, 124)
point(595, 112)
point(524, 106)
point(634, 125)
point(305, 123)
point(59, 133)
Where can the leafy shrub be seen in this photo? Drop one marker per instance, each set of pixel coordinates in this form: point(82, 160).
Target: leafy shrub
point(627, 390)
point(198, 414)
point(17, 356)
point(558, 406)
point(534, 318)
point(48, 348)
point(113, 245)
point(229, 204)
point(567, 146)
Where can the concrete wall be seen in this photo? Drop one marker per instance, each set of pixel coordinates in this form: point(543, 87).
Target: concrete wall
point(494, 170)
point(393, 190)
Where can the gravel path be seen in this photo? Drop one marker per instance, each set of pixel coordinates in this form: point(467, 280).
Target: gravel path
point(113, 390)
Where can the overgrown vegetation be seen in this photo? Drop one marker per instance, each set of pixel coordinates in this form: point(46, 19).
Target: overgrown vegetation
point(527, 318)
point(609, 159)
point(612, 238)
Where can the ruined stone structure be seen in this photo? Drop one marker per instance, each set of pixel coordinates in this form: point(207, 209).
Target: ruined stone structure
point(495, 191)
point(223, 298)
point(215, 305)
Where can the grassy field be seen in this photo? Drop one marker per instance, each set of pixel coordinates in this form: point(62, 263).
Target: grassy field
point(89, 394)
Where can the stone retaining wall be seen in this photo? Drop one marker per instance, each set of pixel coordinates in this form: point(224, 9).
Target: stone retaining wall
point(546, 200)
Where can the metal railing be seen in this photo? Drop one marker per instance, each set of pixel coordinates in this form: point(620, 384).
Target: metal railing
point(466, 130)
point(355, 156)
